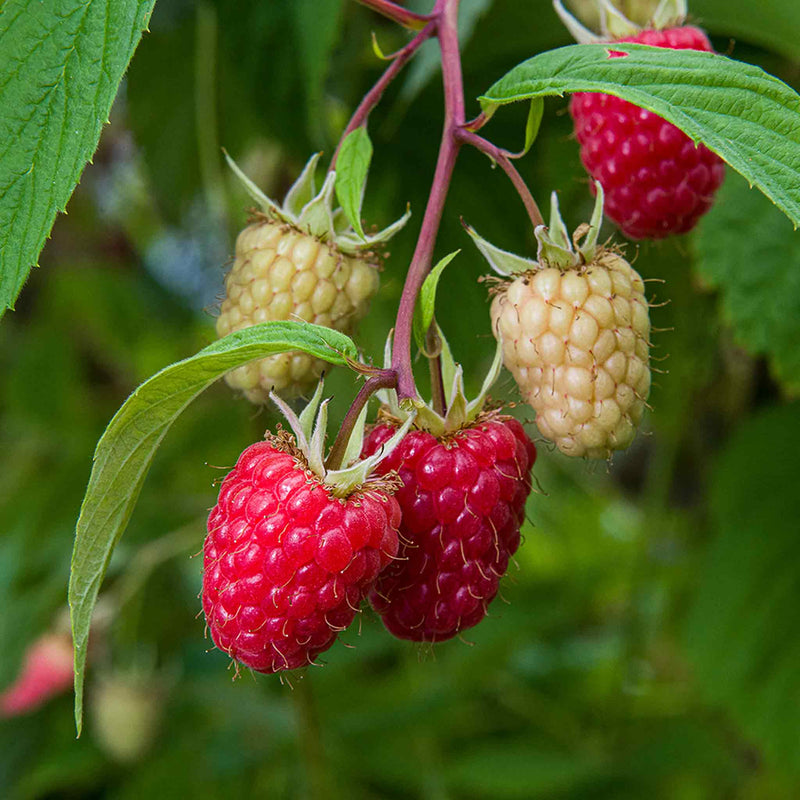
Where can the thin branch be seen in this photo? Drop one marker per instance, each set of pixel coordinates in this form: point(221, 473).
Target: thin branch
point(385, 379)
point(477, 123)
point(396, 13)
point(434, 347)
point(446, 13)
point(501, 157)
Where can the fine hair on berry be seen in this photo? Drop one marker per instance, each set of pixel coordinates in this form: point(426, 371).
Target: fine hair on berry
point(287, 563)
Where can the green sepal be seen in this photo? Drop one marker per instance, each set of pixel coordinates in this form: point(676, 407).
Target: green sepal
point(616, 25)
point(304, 189)
point(376, 48)
point(501, 261)
point(344, 480)
point(533, 123)
point(669, 13)
point(460, 411)
point(555, 249)
point(313, 211)
point(352, 166)
point(613, 23)
point(310, 433)
point(426, 303)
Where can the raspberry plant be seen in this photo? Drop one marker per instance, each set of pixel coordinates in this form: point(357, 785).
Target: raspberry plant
point(425, 528)
point(559, 400)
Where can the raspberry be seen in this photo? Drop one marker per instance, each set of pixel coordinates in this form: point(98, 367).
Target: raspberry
point(574, 327)
point(576, 341)
point(463, 502)
point(656, 180)
point(46, 672)
point(298, 261)
point(282, 273)
point(286, 563)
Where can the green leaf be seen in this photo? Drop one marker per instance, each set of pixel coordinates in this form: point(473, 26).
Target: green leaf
point(748, 250)
point(61, 62)
point(352, 166)
point(533, 124)
point(127, 447)
point(423, 313)
point(743, 629)
point(746, 116)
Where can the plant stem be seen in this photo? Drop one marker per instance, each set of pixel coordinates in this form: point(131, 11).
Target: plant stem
point(372, 98)
point(500, 156)
point(434, 346)
point(396, 13)
point(385, 379)
point(446, 16)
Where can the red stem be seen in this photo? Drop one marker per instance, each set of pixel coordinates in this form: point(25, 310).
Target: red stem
point(372, 98)
point(445, 14)
point(501, 157)
point(385, 379)
point(396, 13)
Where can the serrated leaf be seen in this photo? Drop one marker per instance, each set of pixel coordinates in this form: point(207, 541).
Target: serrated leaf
point(61, 63)
point(127, 447)
point(352, 166)
point(743, 629)
point(748, 250)
point(426, 303)
point(747, 117)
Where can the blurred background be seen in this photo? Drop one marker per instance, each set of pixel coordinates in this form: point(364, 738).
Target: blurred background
point(647, 639)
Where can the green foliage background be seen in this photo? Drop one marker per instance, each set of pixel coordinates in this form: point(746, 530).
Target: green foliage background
point(647, 646)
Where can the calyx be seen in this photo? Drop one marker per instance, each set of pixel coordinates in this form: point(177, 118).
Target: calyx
point(310, 432)
point(555, 248)
point(657, 14)
point(314, 212)
point(460, 412)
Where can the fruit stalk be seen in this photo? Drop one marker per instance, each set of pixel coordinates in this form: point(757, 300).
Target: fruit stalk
point(396, 13)
point(445, 15)
point(385, 379)
point(501, 157)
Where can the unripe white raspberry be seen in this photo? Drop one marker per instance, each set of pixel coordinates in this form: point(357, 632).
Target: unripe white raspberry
point(575, 331)
point(282, 273)
point(576, 341)
point(300, 261)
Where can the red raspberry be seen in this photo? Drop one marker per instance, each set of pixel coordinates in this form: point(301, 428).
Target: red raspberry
point(287, 563)
point(656, 181)
point(463, 501)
